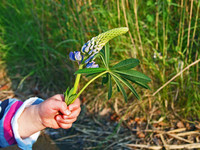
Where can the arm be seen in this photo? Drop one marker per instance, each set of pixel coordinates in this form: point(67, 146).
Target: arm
point(52, 113)
point(20, 123)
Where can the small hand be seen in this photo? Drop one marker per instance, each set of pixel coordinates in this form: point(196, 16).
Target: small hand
point(54, 112)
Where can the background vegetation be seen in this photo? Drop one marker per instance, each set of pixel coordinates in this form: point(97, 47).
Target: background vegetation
point(36, 37)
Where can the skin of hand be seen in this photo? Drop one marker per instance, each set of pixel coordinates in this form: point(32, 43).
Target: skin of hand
point(53, 113)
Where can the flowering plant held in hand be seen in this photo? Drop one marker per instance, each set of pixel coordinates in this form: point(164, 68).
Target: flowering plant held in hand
point(121, 73)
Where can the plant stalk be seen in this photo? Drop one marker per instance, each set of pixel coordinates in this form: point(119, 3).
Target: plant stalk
point(88, 84)
point(78, 76)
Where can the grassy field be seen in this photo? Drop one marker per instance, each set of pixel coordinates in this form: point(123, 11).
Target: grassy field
point(37, 36)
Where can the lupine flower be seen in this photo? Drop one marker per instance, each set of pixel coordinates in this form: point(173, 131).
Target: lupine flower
point(92, 65)
point(93, 46)
point(76, 56)
point(71, 56)
point(97, 43)
point(90, 58)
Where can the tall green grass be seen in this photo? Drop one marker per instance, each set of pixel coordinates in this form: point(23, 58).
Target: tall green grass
point(36, 36)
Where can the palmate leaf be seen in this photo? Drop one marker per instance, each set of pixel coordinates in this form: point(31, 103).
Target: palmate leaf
point(142, 84)
point(135, 75)
point(90, 70)
point(121, 88)
point(109, 86)
point(105, 79)
point(126, 64)
point(125, 82)
point(102, 56)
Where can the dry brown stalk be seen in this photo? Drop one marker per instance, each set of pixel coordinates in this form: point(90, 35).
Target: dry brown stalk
point(126, 21)
point(196, 62)
point(137, 26)
point(184, 146)
point(177, 130)
point(189, 26)
point(189, 133)
point(145, 146)
point(180, 138)
point(164, 142)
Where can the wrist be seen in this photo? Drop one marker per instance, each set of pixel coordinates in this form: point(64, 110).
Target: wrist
point(30, 122)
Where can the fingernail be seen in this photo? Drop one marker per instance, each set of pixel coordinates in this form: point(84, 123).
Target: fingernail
point(65, 117)
point(68, 112)
point(70, 108)
point(58, 118)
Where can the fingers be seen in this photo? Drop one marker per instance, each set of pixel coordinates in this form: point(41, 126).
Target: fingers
point(74, 105)
point(59, 106)
point(74, 114)
point(58, 97)
point(66, 121)
point(65, 126)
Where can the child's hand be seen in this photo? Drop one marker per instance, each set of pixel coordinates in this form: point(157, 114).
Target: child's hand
point(54, 112)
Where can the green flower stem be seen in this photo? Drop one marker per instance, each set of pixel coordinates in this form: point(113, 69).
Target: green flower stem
point(89, 84)
point(78, 76)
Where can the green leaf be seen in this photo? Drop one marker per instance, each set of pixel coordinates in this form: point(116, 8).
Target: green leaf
point(90, 70)
point(126, 64)
point(105, 79)
point(102, 55)
point(71, 92)
point(109, 87)
point(70, 99)
point(135, 75)
point(120, 88)
point(92, 74)
point(124, 81)
point(66, 94)
point(142, 84)
point(107, 54)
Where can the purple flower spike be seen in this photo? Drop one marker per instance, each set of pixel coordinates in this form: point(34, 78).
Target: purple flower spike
point(78, 55)
point(90, 52)
point(87, 60)
point(71, 56)
point(83, 48)
point(92, 65)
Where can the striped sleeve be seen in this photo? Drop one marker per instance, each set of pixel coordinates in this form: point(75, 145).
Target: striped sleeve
point(10, 111)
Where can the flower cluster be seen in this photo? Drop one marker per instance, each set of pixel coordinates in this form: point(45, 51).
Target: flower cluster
point(93, 46)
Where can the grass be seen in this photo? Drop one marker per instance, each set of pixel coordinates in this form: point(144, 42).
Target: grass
point(36, 37)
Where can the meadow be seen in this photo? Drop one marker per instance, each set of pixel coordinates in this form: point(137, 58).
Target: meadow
point(36, 37)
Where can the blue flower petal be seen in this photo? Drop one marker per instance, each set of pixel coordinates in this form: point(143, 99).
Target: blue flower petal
point(88, 65)
point(87, 60)
point(87, 49)
point(90, 52)
point(83, 48)
point(92, 65)
point(95, 66)
point(78, 55)
point(71, 56)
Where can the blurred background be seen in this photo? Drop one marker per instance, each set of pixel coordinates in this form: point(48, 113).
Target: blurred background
point(36, 37)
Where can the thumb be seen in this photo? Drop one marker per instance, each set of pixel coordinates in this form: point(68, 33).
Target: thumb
point(60, 106)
